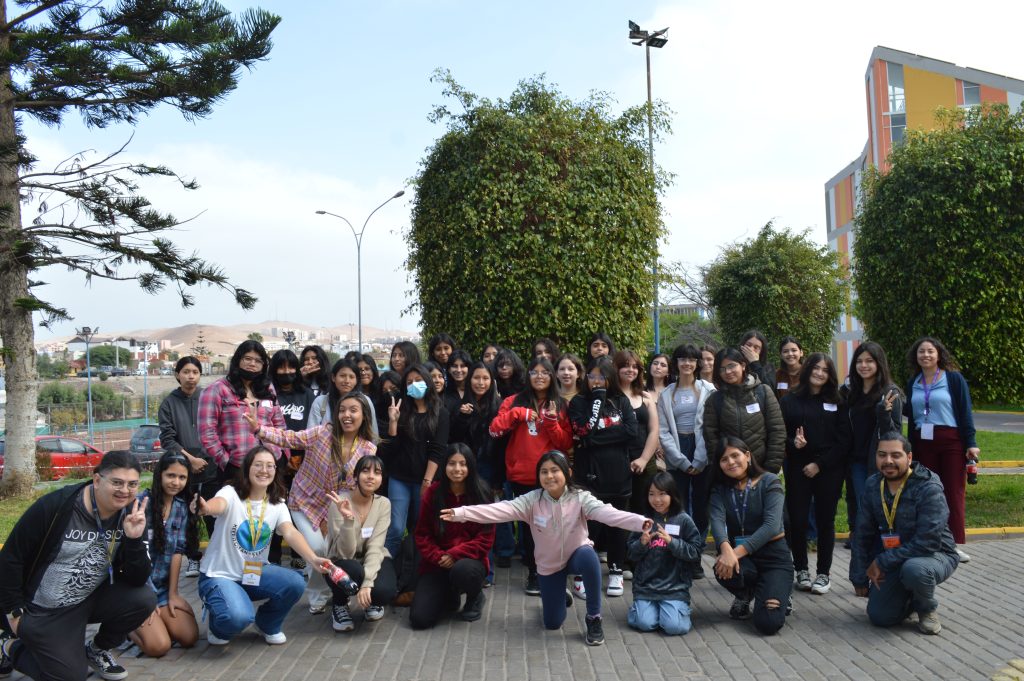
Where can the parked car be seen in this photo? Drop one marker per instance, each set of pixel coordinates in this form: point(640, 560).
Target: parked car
point(119, 371)
point(82, 373)
point(145, 445)
point(56, 456)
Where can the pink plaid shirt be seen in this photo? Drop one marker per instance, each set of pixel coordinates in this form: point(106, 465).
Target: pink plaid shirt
point(223, 430)
point(319, 472)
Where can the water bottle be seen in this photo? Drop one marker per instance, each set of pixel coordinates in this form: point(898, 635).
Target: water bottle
point(342, 579)
point(972, 472)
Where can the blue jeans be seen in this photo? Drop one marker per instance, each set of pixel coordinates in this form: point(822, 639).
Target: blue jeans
point(230, 603)
point(694, 490)
point(672, 616)
point(404, 497)
point(583, 562)
point(911, 588)
point(504, 539)
point(857, 478)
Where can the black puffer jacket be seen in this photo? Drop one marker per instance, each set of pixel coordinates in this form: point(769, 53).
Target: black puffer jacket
point(737, 410)
point(605, 426)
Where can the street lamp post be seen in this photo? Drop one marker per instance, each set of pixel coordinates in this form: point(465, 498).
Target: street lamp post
point(87, 334)
point(649, 40)
point(359, 256)
point(145, 379)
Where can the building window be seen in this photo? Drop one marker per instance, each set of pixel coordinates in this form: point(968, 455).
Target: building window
point(972, 94)
point(897, 124)
point(897, 99)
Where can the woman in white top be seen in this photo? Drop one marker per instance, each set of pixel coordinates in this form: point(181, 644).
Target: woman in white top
point(234, 571)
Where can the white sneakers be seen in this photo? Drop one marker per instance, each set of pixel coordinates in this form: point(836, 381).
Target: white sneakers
point(578, 590)
point(614, 582)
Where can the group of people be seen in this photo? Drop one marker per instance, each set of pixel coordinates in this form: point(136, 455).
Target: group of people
point(402, 486)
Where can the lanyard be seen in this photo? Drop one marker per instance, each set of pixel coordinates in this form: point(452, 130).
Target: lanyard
point(254, 528)
point(742, 517)
point(890, 513)
point(928, 390)
point(346, 465)
point(112, 545)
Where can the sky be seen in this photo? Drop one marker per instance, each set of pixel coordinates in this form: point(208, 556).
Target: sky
point(768, 102)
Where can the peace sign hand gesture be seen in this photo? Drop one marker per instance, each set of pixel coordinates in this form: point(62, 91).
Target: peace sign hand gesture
point(799, 441)
point(251, 419)
point(344, 505)
point(135, 522)
point(395, 409)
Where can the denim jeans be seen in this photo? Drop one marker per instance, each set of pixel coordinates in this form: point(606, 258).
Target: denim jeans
point(672, 616)
point(911, 588)
point(765, 575)
point(405, 498)
point(694, 490)
point(230, 603)
point(855, 482)
point(583, 562)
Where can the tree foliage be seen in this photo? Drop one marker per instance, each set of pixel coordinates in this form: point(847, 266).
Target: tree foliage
point(781, 283)
point(939, 244)
point(536, 216)
point(110, 62)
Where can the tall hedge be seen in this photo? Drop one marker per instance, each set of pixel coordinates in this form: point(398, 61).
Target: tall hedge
point(535, 216)
point(940, 247)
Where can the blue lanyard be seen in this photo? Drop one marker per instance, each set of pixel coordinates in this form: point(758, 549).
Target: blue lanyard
point(742, 517)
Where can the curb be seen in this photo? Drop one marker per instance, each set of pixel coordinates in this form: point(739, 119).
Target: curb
point(1001, 464)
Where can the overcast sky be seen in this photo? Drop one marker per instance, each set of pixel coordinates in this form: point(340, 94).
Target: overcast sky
point(768, 101)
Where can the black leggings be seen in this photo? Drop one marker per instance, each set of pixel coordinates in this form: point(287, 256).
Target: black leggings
point(438, 591)
point(385, 584)
point(765, 575)
point(824, 488)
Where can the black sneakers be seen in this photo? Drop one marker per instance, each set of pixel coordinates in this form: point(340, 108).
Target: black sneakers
point(532, 585)
point(6, 663)
point(595, 631)
point(473, 609)
point(103, 662)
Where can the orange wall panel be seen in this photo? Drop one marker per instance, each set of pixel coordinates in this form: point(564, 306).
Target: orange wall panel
point(991, 94)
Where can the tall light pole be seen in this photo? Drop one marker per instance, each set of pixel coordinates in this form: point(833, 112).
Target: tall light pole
point(145, 379)
point(359, 256)
point(87, 334)
point(649, 40)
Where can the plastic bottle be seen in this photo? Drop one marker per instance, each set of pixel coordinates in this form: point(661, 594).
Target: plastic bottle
point(342, 579)
point(972, 472)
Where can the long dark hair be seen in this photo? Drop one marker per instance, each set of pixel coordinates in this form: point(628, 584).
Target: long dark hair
point(276, 492)
point(753, 469)
point(580, 370)
point(527, 398)
point(436, 340)
point(604, 366)
point(601, 336)
point(735, 355)
point(374, 389)
point(883, 378)
point(649, 384)
point(368, 461)
point(334, 395)
point(830, 391)
point(486, 407)
point(321, 379)
point(365, 431)
point(946, 361)
point(261, 384)
point(285, 358)
point(408, 410)
point(409, 350)
point(458, 355)
point(664, 481)
point(550, 346)
point(476, 492)
point(754, 333)
point(156, 506)
point(560, 460)
point(517, 381)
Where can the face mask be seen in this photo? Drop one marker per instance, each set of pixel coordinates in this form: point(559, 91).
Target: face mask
point(286, 379)
point(249, 375)
point(416, 390)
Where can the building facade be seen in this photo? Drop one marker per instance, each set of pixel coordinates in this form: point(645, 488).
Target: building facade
point(902, 92)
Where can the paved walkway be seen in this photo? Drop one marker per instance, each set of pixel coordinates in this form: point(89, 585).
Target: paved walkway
point(828, 637)
point(1004, 422)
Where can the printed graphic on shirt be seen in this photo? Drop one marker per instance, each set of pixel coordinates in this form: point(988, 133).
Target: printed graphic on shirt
point(244, 542)
point(294, 412)
point(81, 563)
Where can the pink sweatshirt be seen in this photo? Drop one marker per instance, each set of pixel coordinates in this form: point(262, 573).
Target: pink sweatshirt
point(559, 526)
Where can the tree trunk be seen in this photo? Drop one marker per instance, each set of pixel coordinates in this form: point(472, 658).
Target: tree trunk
point(16, 328)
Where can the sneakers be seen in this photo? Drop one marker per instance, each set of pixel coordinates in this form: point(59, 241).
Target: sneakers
point(341, 619)
point(103, 662)
point(602, 556)
point(473, 610)
point(192, 569)
point(614, 582)
point(568, 599)
point(318, 603)
point(697, 572)
point(578, 590)
point(627, 575)
point(803, 580)
point(964, 558)
point(821, 585)
point(273, 639)
point(532, 585)
point(215, 640)
point(6, 663)
point(789, 607)
point(373, 613)
point(298, 563)
point(595, 631)
point(740, 609)
point(928, 623)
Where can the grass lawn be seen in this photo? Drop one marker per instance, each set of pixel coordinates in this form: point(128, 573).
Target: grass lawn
point(1001, 446)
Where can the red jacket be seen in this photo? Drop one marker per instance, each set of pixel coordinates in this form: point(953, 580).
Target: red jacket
point(458, 540)
point(529, 440)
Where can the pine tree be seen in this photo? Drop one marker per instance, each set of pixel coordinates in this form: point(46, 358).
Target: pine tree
point(110, 63)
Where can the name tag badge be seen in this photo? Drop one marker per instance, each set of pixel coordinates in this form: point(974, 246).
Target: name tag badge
point(782, 386)
point(686, 398)
point(927, 431)
point(251, 572)
point(266, 403)
point(673, 530)
point(296, 416)
point(753, 408)
point(741, 541)
point(891, 540)
point(831, 407)
point(540, 521)
point(367, 532)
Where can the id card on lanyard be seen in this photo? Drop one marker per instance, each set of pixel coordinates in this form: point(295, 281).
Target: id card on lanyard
point(112, 544)
point(743, 537)
point(928, 429)
point(252, 570)
point(891, 539)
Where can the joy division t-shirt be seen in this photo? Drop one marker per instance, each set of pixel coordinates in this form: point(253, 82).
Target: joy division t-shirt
point(234, 541)
point(81, 563)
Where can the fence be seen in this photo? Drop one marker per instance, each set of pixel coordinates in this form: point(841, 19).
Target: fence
point(112, 422)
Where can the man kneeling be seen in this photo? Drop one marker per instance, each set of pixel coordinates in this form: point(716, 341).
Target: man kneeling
point(902, 546)
point(76, 557)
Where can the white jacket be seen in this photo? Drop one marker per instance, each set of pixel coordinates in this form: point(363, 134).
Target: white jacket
point(669, 435)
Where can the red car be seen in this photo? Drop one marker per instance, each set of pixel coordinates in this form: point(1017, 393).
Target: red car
point(57, 455)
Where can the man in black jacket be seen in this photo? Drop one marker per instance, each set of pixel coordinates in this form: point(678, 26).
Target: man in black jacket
point(76, 557)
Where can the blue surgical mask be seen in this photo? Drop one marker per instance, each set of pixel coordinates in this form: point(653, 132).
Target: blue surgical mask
point(416, 389)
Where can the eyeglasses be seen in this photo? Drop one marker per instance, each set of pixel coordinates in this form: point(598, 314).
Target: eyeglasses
point(264, 466)
point(539, 374)
point(729, 367)
point(121, 484)
point(596, 378)
point(252, 361)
